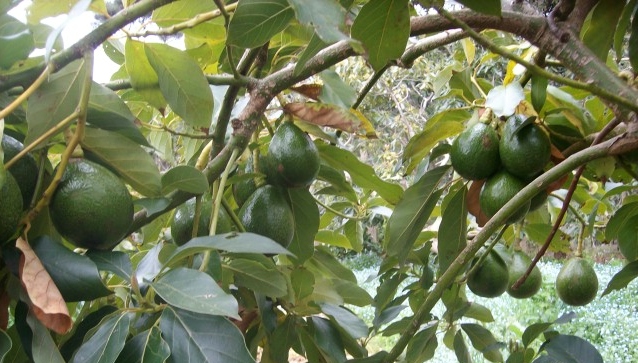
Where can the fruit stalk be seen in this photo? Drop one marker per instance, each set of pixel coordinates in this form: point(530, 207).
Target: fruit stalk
point(449, 276)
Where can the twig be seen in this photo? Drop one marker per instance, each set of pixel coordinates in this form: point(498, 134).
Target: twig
point(568, 197)
point(187, 24)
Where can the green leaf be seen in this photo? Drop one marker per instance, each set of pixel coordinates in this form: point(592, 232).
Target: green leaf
point(185, 178)
point(116, 262)
point(182, 83)
point(533, 331)
point(422, 345)
point(5, 345)
point(16, 41)
point(571, 349)
point(75, 275)
point(483, 341)
point(453, 229)
point(195, 291)
point(412, 212)
point(621, 279)
point(153, 206)
point(302, 282)
point(339, 185)
point(107, 342)
point(489, 7)
point(312, 48)
point(306, 215)
point(353, 230)
point(257, 277)
point(327, 339)
point(335, 91)
point(109, 112)
point(362, 174)
point(180, 11)
point(351, 292)
point(128, 159)
point(462, 82)
point(327, 17)
point(621, 29)
point(383, 26)
point(350, 322)
point(54, 100)
point(620, 219)
point(282, 338)
point(82, 328)
point(144, 79)
point(146, 347)
point(326, 264)
point(599, 35)
point(539, 92)
point(333, 238)
point(150, 265)
point(256, 21)
point(201, 338)
point(460, 349)
point(43, 348)
point(230, 242)
point(439, 127)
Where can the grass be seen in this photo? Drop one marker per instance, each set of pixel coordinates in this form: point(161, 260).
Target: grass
point(609, 323)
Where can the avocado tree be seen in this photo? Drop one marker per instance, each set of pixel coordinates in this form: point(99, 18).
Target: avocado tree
point(191, 209)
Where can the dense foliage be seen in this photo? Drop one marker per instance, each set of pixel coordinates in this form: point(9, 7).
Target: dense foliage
point(253, 113)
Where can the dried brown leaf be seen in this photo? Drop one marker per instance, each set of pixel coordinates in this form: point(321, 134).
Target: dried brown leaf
point(47, 303)
point(473, 206)
point(332, 116)
point(312, 91)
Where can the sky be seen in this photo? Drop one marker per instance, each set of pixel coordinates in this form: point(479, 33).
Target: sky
point(74, 31)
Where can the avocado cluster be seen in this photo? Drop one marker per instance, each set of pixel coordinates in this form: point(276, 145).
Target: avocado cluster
point(506, 162)
point(499, 271)
point(292, 161)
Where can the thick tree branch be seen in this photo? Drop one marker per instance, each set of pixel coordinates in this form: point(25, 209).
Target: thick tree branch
point(86, 44)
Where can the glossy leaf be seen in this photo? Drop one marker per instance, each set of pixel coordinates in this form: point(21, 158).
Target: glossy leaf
point(483, 341)
point(185, 178)
point(333, 238)
point(383, 26)
point(622, 278)
point(182, 83)
point(539, 92)
point(131, 161)
point(54, 100)
point(75, 275)
point(230, 242)
point(153, 206)
point(83, 328)
point(195, 291)
point(324, 263)
point(440, 126)
point(351, 323)
point(194, 337)
point(621, 226)
point(533, 331)
point(282, 338)
point(353, 229)
point(306, 214)
point(327, 17)
point(180, 11)
point(144, 79)
point(148, 268)
point(43, 348)
point(598, 35)
point(571, 349)
point(255, 276)
point(621, 29)
point(412, 212)
point(5, 345)
point(335, 90)
point(146, 347)
point(302, 282)
point(351, 292)
point(109, 112)
point(489, 7)
point(312, 48)
point(16, 41)
point(422, 345)
point(453, 229)
point(256, 21)
point(107, 342)
point(460, 349)
point(116, 262)
point(362, 174)
point(326, 338)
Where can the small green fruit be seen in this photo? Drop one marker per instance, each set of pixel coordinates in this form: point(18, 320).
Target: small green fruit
point(293, 157)
point(518, 266)
point(474, 153)
point(576, 282)
point(268, 213)
point(490, 278)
